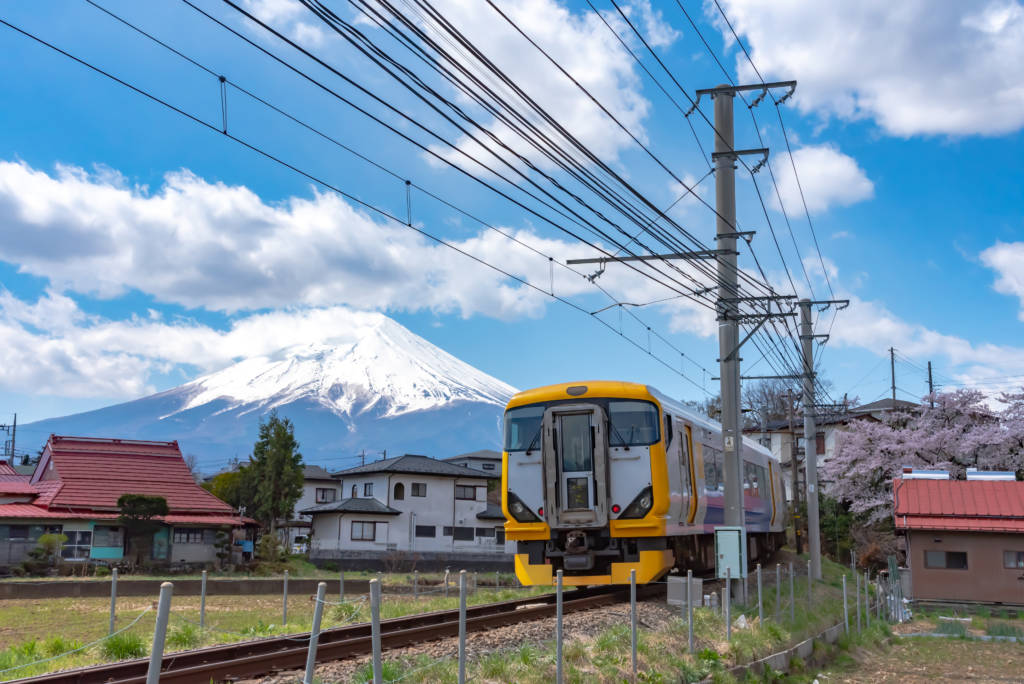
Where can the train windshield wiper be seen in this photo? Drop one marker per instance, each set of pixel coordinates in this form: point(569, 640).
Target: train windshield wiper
point(533, 441)
point(618, 435)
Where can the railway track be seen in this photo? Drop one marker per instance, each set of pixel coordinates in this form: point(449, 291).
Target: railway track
point(231, 662)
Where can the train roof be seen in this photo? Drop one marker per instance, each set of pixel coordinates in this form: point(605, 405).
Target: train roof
point(628, 390)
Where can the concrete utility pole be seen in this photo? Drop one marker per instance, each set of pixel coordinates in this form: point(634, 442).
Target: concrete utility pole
point(931, 387)
point(728, 312)
point(810, 440)
point(794, 472)
point(892, 373)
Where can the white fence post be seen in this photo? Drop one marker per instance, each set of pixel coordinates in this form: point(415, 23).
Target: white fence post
point(113, 600)
point(689, 608)
point(760, 605)
point(156, 654)
point(314, 634)
point(632, 613)
point(846, 613)
point(378, 676)
point(202, 602)
point(462, 627)
point(558, 628)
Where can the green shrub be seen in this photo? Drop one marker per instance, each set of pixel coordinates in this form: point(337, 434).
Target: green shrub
point(184, 636)
point(951, 628)
point(259, 629)
point(1003, 629)
point(123, 646)
point(345, 612)
point(58, 645)
point(983, 611)
point(102, 571)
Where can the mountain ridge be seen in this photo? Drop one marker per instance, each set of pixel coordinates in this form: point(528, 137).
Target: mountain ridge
point(386, 388)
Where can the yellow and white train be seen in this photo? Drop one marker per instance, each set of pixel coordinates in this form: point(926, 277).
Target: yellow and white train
point(600, 478)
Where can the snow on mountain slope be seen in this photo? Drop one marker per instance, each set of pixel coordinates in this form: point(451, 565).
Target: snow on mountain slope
point(382, 388)
point(388, 368)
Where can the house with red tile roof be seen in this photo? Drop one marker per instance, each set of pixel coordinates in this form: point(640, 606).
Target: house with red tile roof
point(964, 538)
point(74, 491)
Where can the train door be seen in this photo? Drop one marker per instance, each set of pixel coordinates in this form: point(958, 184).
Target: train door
point(575, 464)
point(680, 456)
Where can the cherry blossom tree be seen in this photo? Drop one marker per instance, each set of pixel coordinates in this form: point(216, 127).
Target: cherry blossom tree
point(963, 429)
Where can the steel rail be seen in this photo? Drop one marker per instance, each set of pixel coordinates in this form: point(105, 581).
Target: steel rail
point(246, 659)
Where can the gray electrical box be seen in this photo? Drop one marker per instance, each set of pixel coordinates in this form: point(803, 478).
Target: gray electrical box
point(731, 552)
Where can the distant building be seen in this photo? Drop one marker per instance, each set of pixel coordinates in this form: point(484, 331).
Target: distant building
point(74, 489)
point(486, 460)
point(964, 539)
point(318, 487)
point(410, 509)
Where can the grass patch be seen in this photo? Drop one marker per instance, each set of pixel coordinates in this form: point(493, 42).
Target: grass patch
point(1003, 629)
point(184, 636)
point(951, 628)
point(123, 646)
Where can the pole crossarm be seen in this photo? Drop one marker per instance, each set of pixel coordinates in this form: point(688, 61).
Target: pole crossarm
point(697, 254)
point(733, 89)
point(735, 154)
point(749, 318)
point(766, 298)
point(747, 235)
point(761, 320)
point(840, 303)
point(769, 377)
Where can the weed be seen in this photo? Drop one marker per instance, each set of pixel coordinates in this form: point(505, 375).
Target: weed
point(951, 628)
point(184, 636)
point(58, 645)
point(574, 652)
point(983, 611)
point(123, 646)
point(260, 628)
point(1003, 629)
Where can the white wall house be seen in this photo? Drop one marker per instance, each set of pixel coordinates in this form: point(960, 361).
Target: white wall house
point(413, 508)
point(486, 460)
point(780, 441)
point(318, 487)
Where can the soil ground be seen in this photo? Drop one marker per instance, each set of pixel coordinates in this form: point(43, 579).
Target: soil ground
point(928, 660)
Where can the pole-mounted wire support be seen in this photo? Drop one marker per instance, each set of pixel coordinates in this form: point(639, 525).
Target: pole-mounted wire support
point(223, 104)
point(408, 202)
point(733, 89)
point(735, 154)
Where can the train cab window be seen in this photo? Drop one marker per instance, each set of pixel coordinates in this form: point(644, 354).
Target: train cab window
point(633, 423)
point(522, 428)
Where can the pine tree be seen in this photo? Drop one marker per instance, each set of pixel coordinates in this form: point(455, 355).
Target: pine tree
point(274, 471)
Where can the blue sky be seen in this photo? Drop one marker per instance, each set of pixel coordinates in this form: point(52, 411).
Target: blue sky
point(140, 249)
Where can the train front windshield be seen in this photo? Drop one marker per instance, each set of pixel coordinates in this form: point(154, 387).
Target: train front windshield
point(631, 423)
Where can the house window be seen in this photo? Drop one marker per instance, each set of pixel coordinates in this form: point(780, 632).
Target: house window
point(188, 535)
point(108, 536)
point(945, 560)
point(367, 489)
point(819, 443)
point(463, 534)
point(354, 491)
point(426, 531)
point(364, 531)
point(77, 546)
point(326, 494)
point(485, 532)
point(1013, 559)
point(399, 492)
point(465, 492)
point(499, 535)
point(419, 488)
point(488, 466)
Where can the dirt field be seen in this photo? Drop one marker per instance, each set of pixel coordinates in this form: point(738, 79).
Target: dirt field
point(929, 660)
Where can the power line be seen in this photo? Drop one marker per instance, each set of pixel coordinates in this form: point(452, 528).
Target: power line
point(337, 190)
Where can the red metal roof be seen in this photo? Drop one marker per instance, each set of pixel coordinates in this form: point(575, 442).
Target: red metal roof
point(981, 505)
point(6, 469)
point(33, 511)
point(17, 486)
point(95, 473)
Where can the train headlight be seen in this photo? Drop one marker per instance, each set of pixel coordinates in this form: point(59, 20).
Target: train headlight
point(641, 505)
point(519, 510)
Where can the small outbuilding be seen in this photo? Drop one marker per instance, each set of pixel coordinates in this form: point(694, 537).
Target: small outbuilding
point(964, 538)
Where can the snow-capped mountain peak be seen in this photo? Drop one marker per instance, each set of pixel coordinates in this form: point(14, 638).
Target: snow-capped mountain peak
point(383, 366)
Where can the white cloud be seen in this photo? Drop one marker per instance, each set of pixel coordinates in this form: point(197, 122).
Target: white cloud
point(284, 16)
point(829, 178)
point(658, 32)
point(583, 45)
point(1007, 260)
point(916, 67)
point(841, 235)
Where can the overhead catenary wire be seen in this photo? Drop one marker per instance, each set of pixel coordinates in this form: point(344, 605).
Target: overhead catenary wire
point(325, 184)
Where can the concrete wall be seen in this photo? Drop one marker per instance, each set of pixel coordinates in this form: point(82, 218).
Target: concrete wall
point(183, 587)
point(408, 561)
point(984, 580)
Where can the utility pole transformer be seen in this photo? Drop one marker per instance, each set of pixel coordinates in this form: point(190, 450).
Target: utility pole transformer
point(810, 440)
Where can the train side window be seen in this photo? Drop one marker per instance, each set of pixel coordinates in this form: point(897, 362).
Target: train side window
point(668, 429)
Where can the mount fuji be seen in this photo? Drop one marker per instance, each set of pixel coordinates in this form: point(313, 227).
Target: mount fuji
point(386, 388)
